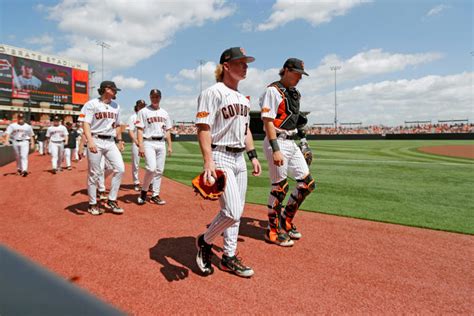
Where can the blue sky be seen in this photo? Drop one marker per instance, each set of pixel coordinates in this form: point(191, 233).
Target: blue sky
point(401, 60)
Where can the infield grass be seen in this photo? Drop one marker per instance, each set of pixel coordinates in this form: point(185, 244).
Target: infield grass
point(387, 181)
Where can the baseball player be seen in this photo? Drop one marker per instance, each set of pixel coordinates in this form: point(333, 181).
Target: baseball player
point(153, 124)
point(222, 120)
point(56, 136)
point(41, 138)
point(101, 124)
point(21, 135)
point(132, 131)
point(280, 112)
point(70, 145)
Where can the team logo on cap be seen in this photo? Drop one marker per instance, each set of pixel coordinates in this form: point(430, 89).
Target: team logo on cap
point(242, 50)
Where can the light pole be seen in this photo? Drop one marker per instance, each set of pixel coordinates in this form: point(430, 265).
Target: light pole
point(335, 69)
point(201, 62)
point(91, 87)
point(103, 45)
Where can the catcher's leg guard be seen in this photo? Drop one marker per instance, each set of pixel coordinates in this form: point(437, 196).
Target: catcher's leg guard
point(303, 188)
point(275, 200)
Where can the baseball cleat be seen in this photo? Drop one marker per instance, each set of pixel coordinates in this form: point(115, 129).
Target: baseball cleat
point(278, 238)
point(140, 201)
point(204, 255)
point(114, 207)
point(103, 196)
point(94, 209)
point(234, 265)
point(18, 171)
point(69, 168)
point(150, 188)
point(293, 232)
point(156, 199)
point(137, 187)
point(24, 173)
point(55, 171)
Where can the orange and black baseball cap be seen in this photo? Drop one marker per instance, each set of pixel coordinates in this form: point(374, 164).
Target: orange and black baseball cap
point(296, 65)
point(109, 84)
point(155, 92)
point(234, 53)
point(20, 115)
point(140, 103)
point(56, 118)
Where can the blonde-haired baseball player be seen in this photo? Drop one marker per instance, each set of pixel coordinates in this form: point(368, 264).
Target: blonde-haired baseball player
point(222, 119)
point(280, 112)
point(154, 125)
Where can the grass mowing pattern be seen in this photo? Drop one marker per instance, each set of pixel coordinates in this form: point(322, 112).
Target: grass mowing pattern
point(387, 181)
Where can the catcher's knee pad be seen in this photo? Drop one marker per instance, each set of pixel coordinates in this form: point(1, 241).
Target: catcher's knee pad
point(279, 190)
point(303, 188)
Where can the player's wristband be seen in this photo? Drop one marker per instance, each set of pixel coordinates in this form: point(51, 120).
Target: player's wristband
point(252, 154)
point(274, 145)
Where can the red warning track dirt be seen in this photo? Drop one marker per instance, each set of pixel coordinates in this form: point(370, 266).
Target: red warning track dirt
point(460, 151)
point(143, 262)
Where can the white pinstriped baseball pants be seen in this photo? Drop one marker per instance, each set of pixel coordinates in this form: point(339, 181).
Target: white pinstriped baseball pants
point(232, 202)
point(22, 149)
point(293, 163)
point(135, 164)
point(107, 148)
point(56, 150)
point(155, 156)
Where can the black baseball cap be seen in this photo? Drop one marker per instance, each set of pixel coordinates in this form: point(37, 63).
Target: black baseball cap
point(20, 115)
point(56, 118)
point(109, 84)
point(234, 53)
point(295, 64)
point(140, 102)
point(155, 91)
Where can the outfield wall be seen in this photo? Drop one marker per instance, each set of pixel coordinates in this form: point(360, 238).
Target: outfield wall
point(452, 136)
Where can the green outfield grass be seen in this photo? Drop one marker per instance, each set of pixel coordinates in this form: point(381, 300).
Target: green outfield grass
point(387, 181)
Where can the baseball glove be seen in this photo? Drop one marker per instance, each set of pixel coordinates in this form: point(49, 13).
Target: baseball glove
point(210, 192)
point(307, 153)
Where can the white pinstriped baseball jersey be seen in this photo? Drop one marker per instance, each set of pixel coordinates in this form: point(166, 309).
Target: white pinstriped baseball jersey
point(271, 102)
point(155, 122)
point(19, 132)
point(102, 117)
point(131, 124)
point(227, 112)
point(57, 133)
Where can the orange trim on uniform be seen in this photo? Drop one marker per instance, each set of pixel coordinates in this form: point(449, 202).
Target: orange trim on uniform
point(265, 110)
point(202, 114)
point(281, 112)
point(82, 115)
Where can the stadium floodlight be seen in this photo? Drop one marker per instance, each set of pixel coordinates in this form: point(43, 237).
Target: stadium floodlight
point(335, 69)
point(201, 62)
point(103, 45)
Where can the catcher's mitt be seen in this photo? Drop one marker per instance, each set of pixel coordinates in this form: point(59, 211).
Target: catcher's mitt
point(307, 153)
point(210, 192)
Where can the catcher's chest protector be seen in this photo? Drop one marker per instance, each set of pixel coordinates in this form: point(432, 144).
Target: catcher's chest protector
point(289, 108)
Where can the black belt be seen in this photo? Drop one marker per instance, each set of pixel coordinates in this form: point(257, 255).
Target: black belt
point(57, 141)
point(286, 136)
point(230, 149)
point(104, 136)
point(154, 138)
point(20, 140)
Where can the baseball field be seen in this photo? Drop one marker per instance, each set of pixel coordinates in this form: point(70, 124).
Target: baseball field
point(386, 181)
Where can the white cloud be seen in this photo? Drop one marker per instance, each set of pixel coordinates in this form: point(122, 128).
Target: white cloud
point(128, 83)
point(135, 31)
point(387, 102)
point(437, 10)
point(314, 12)
point(246, 26)
point(44, 39)
point(183, 88)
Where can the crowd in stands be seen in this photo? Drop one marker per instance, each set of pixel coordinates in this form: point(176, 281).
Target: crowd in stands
point(428, 128)
point(383, 130)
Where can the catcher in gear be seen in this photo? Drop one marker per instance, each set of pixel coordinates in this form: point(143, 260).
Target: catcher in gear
point(283, 124)
point(210, 190)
